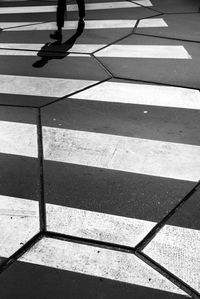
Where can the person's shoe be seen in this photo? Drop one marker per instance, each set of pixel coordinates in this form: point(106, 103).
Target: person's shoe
point(56, 35)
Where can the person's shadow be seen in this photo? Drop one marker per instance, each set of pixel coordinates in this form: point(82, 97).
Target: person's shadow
point(58, 50)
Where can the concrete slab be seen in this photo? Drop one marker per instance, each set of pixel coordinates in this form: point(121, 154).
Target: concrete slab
point(25, 278)
point(171, 61)
point(103, 189)
point(178, 6)
point(180, 26)
point(19, 177)
point(179, 253)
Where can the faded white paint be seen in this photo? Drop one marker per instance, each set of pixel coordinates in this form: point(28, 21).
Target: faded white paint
point(19, 222)
point(150, 157)
point(18, 139)
point(95, 261)
point(69, 25)
point(41, 86)
point(177, 250)
point(98, 226)
point(32, 48)
point(158, 22)
point(144, 51)
point(70, 7)
point(76, 222)
point(142, 94)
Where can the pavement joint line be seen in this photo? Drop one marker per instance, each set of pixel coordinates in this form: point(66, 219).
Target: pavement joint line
point(181, 13)
point(148, 238)
point(21, 251)
point(114, 42)
point(103, 66)
point(167, 274)
point(73, 93)
point(42, 205)
point(151, 17)
point(146, 7)
point(90, 242)
point(20, 26)
point(154, 82)
point(165, 37)
point(18, 106)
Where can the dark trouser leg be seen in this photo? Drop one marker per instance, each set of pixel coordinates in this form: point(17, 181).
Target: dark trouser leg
point(81, 8)
point(61, 8)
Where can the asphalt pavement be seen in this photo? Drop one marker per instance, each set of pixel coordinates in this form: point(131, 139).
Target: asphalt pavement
point(100, 150)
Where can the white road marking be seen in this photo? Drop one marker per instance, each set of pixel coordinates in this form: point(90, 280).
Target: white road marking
point(19, 222)
point(70, 7)
point(7, 52)
point(150, 157)
point(143, 2)
point(142, 94)
point(177, 250)
point(41, 86)
point(80, 223)
point(95, 261)
point(79, 48)
point(69, 25)
point(144, 51)
point(18, 139)
point(34, 53)
point(152, 23)
point(98, 226)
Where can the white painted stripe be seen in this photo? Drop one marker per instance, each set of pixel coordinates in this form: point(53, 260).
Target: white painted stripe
point(95, 261)
point(81, 223)
point(18, 139)
point(97, 226)
point(19, 222)
point(69, 25)
point(79, 48)
point(70, 7)
point(41, 86)
point(177, 249)
point(7, 52)
point(143, 2)
point(152, 23)
point(144, 51)
point(150, 157)
point(4, 25)
point(142, 94)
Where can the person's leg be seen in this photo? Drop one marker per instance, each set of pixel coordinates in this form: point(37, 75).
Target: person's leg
point(81, 9)
point(61, 8)
point(60, 17)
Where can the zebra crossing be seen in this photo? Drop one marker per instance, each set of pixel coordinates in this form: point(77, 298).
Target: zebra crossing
point(88, 144)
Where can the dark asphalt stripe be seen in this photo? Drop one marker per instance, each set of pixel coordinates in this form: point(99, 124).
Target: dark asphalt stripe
point(34, 281)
